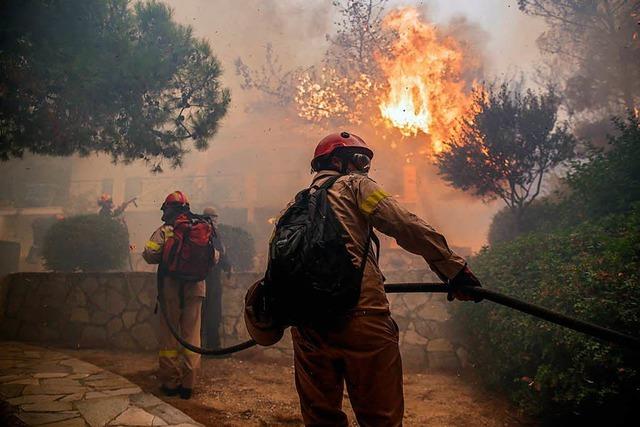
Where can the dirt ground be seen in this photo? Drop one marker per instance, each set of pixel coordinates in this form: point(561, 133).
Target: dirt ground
point(251, 392)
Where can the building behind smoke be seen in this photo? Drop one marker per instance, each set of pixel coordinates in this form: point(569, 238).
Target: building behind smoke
point(72, 186)
point(248, 197)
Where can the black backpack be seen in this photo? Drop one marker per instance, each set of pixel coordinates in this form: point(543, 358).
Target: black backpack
point(311, 279)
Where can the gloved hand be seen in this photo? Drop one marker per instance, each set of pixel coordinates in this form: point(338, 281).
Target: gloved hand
point(257, 305)
point(464, 278)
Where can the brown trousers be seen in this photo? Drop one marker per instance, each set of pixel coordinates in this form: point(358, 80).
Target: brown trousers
point(364, 353)
point(177, 365)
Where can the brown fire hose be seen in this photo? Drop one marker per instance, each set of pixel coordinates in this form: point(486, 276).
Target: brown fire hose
point(588, 328)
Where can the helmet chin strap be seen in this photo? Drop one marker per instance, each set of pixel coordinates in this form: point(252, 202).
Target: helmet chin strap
point(344, 165)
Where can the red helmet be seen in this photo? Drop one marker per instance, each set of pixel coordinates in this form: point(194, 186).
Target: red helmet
point(334, 141)
point(105, 199)
point(177, 198)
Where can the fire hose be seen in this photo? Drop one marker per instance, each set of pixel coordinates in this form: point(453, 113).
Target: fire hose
point(588, 328)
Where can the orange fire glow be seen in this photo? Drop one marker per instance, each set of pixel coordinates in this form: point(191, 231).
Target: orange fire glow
point(423, 70)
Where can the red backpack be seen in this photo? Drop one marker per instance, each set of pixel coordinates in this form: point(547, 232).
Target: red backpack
point(189, 253)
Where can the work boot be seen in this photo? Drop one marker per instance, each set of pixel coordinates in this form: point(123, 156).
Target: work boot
point(168, 391)
point(185, 393)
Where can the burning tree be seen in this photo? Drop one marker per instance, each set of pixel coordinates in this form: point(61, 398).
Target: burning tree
point(344, 85)
point(325, 95)
point(413, 78)
point(359, 38)
point(391, 69)
point(101, 76)
point(505, 148)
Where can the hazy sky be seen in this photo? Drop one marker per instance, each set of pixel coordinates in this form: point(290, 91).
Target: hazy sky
point(250, 138)
point(512, 42)
point(297, 29)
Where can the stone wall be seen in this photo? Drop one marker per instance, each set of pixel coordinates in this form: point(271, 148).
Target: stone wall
point(115, 310)
point(80, 310)
point(426, 336)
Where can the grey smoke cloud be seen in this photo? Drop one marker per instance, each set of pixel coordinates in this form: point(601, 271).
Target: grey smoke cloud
point(263, 153)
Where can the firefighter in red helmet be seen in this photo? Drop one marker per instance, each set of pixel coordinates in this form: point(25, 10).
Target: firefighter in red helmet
point(361, 351)
point(177, 366)
point(343, 144)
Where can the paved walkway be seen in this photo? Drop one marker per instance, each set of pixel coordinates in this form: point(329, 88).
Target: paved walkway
point(53, 389)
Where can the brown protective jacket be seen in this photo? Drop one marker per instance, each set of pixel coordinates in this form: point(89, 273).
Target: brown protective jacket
point(358, 201)
point(363, 352)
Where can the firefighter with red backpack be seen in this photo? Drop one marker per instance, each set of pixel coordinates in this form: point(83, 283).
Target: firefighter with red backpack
point(323, 280)
point(183, 248)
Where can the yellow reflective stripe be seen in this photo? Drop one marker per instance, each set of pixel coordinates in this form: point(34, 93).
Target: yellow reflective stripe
point(151, 245)
point(168, 353)
point(372, 201)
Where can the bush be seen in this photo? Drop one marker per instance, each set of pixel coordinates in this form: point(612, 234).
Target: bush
point(540, 215)
point(610, 181)
point(239, 246)
point(591, 272)
point(607, 183)
point(86, 243)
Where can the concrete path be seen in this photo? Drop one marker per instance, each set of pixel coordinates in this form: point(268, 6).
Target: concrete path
point(50, 388)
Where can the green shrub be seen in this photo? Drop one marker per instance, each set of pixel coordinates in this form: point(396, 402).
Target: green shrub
point(86, 243)
point(540, 215)
point(239, 246)
point(606, 182)
point(591, 272)
point(610, 181)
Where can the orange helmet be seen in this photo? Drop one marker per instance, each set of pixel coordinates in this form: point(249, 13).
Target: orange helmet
point(177, 198)
point(105, 199)
point(335, 141)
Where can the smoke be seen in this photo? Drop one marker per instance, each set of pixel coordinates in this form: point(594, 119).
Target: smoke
point(473, 40)
point(260, 157)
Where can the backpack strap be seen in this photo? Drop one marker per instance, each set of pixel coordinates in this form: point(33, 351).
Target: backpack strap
point(365, 255)
point(327, 183)
point(376, 241)
point(371, 236)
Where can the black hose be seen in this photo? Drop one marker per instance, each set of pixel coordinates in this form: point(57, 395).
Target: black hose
point(588, 328)
point(204, 351)
point(552, 316)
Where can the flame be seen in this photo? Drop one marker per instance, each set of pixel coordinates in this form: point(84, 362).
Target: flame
point(327, 94)
point(407, 106)
point(423, 70)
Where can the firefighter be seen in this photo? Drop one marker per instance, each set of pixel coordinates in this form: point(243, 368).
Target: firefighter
point(177, 365)
point(105, 202)
point(107, 207)
point(363, 351)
